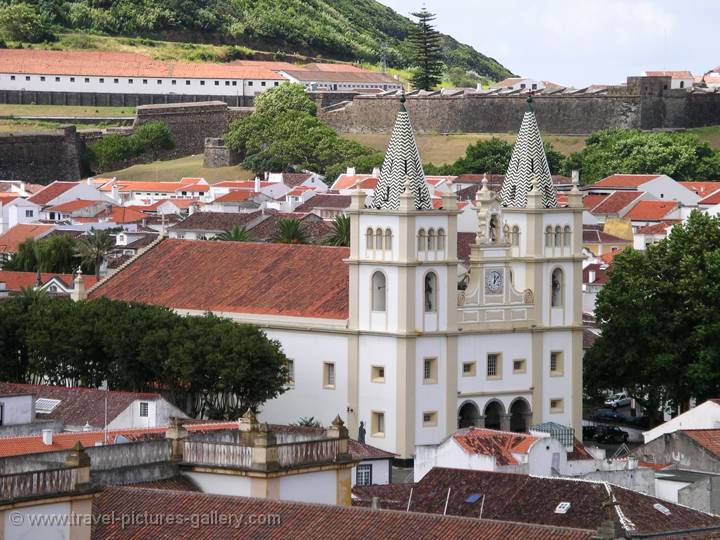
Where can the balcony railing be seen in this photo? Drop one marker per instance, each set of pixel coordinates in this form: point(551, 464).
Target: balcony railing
point(217, 454)
point(38, 483)
point(308, 452)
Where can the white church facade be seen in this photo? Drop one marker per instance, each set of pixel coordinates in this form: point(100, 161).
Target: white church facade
point(394, 341)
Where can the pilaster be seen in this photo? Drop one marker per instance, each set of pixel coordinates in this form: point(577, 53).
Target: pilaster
point(405, 397)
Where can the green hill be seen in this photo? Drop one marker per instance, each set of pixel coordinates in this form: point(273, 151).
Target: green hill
point(334, 29)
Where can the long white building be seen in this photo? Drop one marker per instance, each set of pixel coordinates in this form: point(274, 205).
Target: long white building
point(382, 333)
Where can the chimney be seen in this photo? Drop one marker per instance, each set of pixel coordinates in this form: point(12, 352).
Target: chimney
point(350, 171)
point(257, 184)
point(591, 276)
point(376, 172)
point(47, 437)
point(87, 427)
point(375, 505)
point(78, 293)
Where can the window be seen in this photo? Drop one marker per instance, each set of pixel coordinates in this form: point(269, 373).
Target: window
point(369, 239)
point(519, 365)
point(558, 236)
point(87, 79)
point(556, 363)
point(378, 239)
point(548, 236)
point(290, 373)
point(328, 375)
point(516, 235)
point(566, 236)
point(2, 413)
point(430, 370)
point(682, 84)
point(377, 425)
point(378, 291)
point(377, 374)
point(468, 369)
point(227, 83)
point(57, 79)
point(534, 86)
point(556, 405)
point(430, 292)
point(557, 288)
point(72, 79)
point(277, 83)
point(187, 83)
point(494, 365)
point(27, 78)
point(116, 81)
point(262, 83)
point(130, 81)
point(173, 82)
point(388, 240)
point(430, 419)
point(217, 83)
point(363, 474)
point(422, 241)
point(441, 240)
point(29, 213)
point(144, 81)
point(159, 81)
point(234, 83)
point(101, 81)
point(202, 83)
point(12, 77)
point(144, 409)
point(42, 79)
point(250, 83)
point(431, 240)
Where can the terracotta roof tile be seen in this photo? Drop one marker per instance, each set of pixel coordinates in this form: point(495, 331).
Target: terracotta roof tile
point(616, 202)
point(71, 206)
point(120, 64)
point(707, 438)
point(673, 74)
point(180, 482)
point(216, 221)
point(624, 180)
point(315, 228)
point(601, 274)
point(325, 200)
point(12, 238)
point(52, 191)
point(596, 236)
point(298, 280)
point(349, 181)
point(235, 196)
point(359, 77)
point(15, 281)
point(296, 520)
point(499, 444)
point(712, 199)
point(608, 258)
point(655, 228)
point(295, 179)
point(651, 210)
point(702, 189)
point(591, 200)
point(464, 241)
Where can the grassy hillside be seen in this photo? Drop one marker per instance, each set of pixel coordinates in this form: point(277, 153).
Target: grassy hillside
point(337, 29)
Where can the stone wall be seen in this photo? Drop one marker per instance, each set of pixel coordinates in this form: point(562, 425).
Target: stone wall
point(679, 450)
point(94, 99)
point(42, 157)
point(219, 155)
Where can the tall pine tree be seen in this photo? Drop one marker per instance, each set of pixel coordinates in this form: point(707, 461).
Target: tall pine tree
point(426, 52)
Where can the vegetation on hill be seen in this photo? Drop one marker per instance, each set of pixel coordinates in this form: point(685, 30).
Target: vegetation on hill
point(207, 366)
point(350, 30)
point(283, 134)
point(659, 320)
point(151, 138)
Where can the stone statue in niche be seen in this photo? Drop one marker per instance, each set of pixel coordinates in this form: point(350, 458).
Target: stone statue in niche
point(528, 297)
point(506, 232)
point(493, 232)
point(361, 432)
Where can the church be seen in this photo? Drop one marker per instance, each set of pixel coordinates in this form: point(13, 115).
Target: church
point(385, 332)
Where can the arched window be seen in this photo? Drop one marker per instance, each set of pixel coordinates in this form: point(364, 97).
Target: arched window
point(431, 240)
point(548, 236)
point(378, 239)
point(388, 240)
point(369, 239)
point(558, 237)
point(422, 241)
point(515, 235)
point(430, 292)
point(378, 291)
point(441, 240)
point(557, 288)
point(566, 236)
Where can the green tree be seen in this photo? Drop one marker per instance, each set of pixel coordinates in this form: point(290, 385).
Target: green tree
point(425, 43)
point(659, 318)
point(20, 21)
point(290, 231)
point(340, 235)
point(25, 260)
point(153, 137)
point(94, 248)
point(235, 234)
point(680, 155)
point(284, 98)
point(461, 78)
point(490, 156)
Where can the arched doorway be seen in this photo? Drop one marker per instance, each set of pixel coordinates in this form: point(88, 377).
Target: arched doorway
point(493, 414)
point(519, 415)
point(468, 415)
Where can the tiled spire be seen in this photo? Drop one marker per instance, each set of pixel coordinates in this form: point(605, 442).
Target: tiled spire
point(402, 160)
point(528, 166)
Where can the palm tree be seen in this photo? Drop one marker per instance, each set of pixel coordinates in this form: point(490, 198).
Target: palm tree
point(340, 235)
point(93, 248)
point(235, 234)
point(290, 231)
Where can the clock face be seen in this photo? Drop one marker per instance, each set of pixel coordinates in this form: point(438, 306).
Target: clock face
point(493, 281)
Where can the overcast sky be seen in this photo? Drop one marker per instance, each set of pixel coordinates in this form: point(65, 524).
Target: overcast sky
point(581, 42)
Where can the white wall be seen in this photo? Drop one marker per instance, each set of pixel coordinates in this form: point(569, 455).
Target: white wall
point(317, 487)
point(449, 454)
point(665, 188)
point(381, 471)
point(224, 87)
point(19, 522)
point(668, 490)
point(704, 416)
point(17, 409)
point(221, 484)
point(159, 413)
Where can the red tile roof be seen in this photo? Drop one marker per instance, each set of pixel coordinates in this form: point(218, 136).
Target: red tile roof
point(15, 281)
point(180, 482)
point(499, 444)
point(349, 181)
point(673, 74)
point(297, 280)
point(709, 439)
point(616, 202)
point(12, 238)
point(712, 199)
point(71, 206)
point(702, 189)
point(127, 186)
point(373, 77)
point(655, 228)
point(294, 520)
point(601, 274)
point(531, 499)
point(121, 215)
point(325, 66)
point(591, 200)
point(52, 191)
point(651, 210)
point(595, 235)
point(120, 64)
point(235, 196)
point(325, 200)
point(624, 180)
point(464, 241)
point(608, 258)
point(579, 452)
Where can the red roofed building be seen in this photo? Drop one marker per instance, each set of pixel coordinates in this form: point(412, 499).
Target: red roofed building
point(646, 212)
point(616, 204)
point(11, 240)
point(678, 79)
point(656, 186)
point(14, 282)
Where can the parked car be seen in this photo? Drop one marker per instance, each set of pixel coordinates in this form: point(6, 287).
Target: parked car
point(621, 399)
point(606, 415)
point(588, 432)
point(610, 434)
